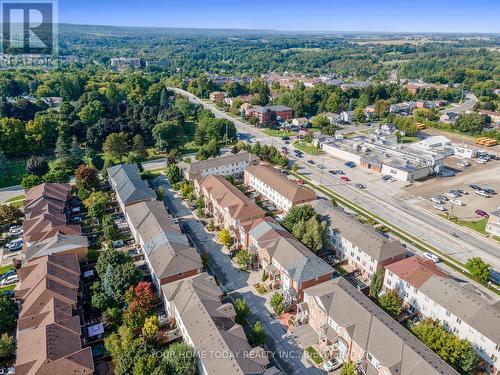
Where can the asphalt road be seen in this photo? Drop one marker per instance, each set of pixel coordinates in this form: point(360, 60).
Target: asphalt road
point(468, 104)
point(410, 218)
point(287, 353)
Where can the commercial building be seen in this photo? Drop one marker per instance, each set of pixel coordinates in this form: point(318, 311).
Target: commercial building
point(208, 326)
point(45, 228)
point(287, 262)
point(265, 114)
point(166, 249)
point(352, 327)
point(431, 293)
point(276, 187)
point(49, 329)
point(381, 153)
point(227, 204)
point(226, 165)
point(126, 182)
point(493, 225)
point(359, 245)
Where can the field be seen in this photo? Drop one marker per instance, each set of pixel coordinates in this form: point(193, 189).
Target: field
point(17, 169)
point(307, 148)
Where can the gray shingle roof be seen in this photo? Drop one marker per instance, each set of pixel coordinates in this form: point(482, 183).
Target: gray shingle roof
point(196, 167)
point(375, 331)
point(57, 244)
point(128, 184)
point(209, 324)
point(364, 236)
point(166, 247)
point(300, 262)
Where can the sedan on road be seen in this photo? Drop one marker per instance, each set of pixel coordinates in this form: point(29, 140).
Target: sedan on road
point(360, 186)
point(320, 166)
point(340, 171)
point(344, 178)
point(311, 162)
point(333, 173)
point(301, 182)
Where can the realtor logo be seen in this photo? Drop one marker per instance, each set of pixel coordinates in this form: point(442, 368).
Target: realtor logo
point(28, 28)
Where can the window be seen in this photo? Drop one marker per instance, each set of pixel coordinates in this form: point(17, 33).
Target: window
point(459, 321)
point(448, 313)
point(389, 282)
point(390, 273)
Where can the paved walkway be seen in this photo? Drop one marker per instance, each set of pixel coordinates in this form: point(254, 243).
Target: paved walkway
point(287, 353)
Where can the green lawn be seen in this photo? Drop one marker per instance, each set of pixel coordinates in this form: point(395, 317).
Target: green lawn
point(307, 148)
point(314, 355)
point(19, 197)
point(278, 133)
point(407, 139)
point(7, 288)
point(17, 169)
point(478, 226)
point(4, 269)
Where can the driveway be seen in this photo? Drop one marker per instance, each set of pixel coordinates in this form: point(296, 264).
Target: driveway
point(286, 352)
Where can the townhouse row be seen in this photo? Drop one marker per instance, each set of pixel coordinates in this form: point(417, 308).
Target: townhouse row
point(430, 292)
point(192, 298)
point(45, 228)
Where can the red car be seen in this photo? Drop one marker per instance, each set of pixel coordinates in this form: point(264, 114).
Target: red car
point(482, 213)
point(301, 182)
point(344, 178)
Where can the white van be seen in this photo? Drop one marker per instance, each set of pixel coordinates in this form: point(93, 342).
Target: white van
point(431, 256)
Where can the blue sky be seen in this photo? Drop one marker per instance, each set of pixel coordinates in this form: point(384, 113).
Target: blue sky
point(299, 15)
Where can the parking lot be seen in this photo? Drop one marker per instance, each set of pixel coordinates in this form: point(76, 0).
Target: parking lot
point(484, 175)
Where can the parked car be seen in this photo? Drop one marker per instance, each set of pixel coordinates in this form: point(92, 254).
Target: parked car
point(344, 178)
point(7, 274)
point(440, 207)
point(437, 200)
point(332, 172)
point(454, 235)
point(360, 186)
point(442, 197)
point(481, 161)
point(311, 162)
point(350, 164)
point(482, 213)
point(285, 138)
point(475, 187)
point(490, 191)
point(117, 244)
point(431, 256)
point(332, 364)
point(15, 231)
point(340, 171)
point(175, 220)
point(458, 202)
point(452, 195)
point(7, 371)
point(483, 193)
point(9, 280)
point(15, 245)
point(301, 182)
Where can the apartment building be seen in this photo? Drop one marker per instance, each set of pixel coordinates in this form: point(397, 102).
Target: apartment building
point(45, 228)
point(208, 326)
point(217, 96)
point(49, 329)
point(287, 262)
point(432, 293)
point(226, 165)
point(359, 245)
point(265, 114)
point(227, 204)
point(166, 249)
point(352, 327)
point(276, 187)
point(126, 182)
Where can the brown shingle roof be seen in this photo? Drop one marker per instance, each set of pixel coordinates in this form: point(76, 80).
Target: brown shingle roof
point(281, 184)
point(415, 270)
point(231, 198)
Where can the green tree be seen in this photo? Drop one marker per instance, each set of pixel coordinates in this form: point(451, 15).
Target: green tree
point(7, 347)
point(151, 326)
point(138, 146)
point(277, 302)
point(115, 146)
point(296, 214)
point(320, 121)
point(109, 228)
point(160, 193)
point(7, 312)
point(258, 335)
point(244, 258)
point(180, 359)
point(225, 237)
point(470, 123)
point(41, 133)
point(391, 302)
point(359, 115)
point(37, 166)
point(376, 283)
point(91, 113)
point(9, 215)
point(28, 181)
point(479, 269)
point(168, 135)
point(12, 136)
point(314, 235)
point(173, 174)
point(61, 150)
point(96, 203)
point(382, 108)
point(348, 368)
point(242, 310)
point(76, 152)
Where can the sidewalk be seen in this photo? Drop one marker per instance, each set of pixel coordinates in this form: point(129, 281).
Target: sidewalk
point(237, 283)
